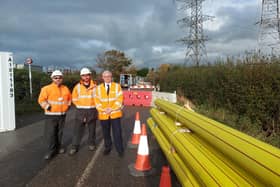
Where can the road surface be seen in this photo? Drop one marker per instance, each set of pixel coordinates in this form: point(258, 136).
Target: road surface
point(22, 163)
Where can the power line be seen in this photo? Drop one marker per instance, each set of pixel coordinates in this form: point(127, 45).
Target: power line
point(269, 30)
point(195, 40)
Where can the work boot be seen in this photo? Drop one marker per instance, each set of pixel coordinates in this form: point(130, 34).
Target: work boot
point(121, 154)
point(73, 151)
point(49, 155)
point(106, 151)
point(92, 147)
point(61, 150)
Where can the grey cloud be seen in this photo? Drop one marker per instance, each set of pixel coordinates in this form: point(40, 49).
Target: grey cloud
point(60, 33)
point(239, 24)
point(238, 33)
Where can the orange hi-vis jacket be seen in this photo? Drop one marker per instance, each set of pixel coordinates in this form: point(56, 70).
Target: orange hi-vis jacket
point(59, 98)
point(82, 97)
point(114, 101)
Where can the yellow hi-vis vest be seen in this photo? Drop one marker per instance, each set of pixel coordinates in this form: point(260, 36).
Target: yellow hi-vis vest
point(59, 98)
point(82, 97)
point(113, 100)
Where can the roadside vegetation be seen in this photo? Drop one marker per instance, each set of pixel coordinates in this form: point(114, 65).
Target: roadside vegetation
point(244, 94)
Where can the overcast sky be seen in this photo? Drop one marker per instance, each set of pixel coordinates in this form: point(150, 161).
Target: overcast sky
point(70, 33)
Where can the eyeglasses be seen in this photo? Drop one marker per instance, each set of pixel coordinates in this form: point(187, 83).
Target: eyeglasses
point(55, 78)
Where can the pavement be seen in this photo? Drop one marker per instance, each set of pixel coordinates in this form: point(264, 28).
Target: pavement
point(22, 163)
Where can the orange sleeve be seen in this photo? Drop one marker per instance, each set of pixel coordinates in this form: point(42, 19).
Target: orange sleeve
point(43, 98)
point(97, 99)
point(75, 95)
point(118, 103)
point(69, 96)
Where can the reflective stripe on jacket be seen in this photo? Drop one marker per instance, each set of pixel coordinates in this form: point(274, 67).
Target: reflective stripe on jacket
point(59, 98)
point(113, 100)
point(83, 97)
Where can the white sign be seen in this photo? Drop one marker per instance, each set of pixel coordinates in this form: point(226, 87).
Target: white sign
point(7, 101)
point(28, 60)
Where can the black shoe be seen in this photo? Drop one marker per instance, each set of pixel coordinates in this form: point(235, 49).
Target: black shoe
point(106, 151)
point(73, 151)
point(61, 151)
point(48, 156)
point(92, 147)
point(121, 154)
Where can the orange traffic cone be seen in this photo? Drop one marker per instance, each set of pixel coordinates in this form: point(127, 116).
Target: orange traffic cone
point(165, 178)
point(135, 139)
point(143, 161)
point(142, 166)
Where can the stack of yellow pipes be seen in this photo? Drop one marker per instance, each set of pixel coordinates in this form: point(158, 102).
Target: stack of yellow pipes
point(203, 152)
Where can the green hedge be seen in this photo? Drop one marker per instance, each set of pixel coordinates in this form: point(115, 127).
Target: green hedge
point(251, 90)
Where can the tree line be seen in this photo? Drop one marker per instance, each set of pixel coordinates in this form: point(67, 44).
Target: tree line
point(250, 89)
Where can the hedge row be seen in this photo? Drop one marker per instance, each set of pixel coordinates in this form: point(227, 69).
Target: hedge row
point(251, 90)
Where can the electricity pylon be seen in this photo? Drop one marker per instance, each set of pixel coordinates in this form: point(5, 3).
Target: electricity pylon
point(195, 41)
point(269, 30)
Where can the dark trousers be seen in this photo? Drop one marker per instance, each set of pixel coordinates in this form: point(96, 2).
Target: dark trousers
point(79, 131)
point(117, 134)
point(84, 117)
point(53, 132)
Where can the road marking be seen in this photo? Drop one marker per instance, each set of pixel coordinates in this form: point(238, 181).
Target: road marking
point(89, 167)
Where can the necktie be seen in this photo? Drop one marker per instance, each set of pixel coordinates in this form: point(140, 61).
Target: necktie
point(108, 89)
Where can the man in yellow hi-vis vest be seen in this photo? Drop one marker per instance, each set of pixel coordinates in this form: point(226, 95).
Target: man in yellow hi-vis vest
point(109, 98)
point(55, 99)
point(85, 114)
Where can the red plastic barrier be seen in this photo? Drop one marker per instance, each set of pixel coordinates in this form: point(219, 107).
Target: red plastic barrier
point(127, 97)
point(137, 98)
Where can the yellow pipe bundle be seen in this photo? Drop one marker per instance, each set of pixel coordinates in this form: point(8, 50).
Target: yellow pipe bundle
point(184, 175)
point(258, 159)
point(208, 165)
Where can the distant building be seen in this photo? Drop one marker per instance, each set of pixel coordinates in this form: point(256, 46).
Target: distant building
point(25, 66)
point(64, 70)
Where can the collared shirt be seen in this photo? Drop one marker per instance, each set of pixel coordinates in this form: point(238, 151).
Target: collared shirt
point(106, 87)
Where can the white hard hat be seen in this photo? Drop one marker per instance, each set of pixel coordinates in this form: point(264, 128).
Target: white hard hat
point(56, 73)
point(85, 71)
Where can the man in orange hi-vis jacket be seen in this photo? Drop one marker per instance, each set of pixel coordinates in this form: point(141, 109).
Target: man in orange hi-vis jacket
point(109, 98)
point(85, 112)
point(55, 99)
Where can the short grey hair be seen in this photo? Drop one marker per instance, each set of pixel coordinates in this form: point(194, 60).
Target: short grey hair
point(106, 72)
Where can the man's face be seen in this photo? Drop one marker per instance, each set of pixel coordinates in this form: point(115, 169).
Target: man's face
point(107, 77)
point(57, 80)
point(86, 77)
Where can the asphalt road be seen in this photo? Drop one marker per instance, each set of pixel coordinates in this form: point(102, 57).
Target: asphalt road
point(23, 165)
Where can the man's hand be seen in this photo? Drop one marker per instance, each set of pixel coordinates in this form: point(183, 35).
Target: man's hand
point(49, 108)
point(108, 110)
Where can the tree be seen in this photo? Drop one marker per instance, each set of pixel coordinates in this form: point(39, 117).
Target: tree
point(152, 76)
point(131, 70)
point(143, 72)
point(114, 61)
point(163, 69)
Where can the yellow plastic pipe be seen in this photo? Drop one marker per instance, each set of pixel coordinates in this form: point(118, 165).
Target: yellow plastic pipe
point(256, 157)
point(194, 154)
point(171, 131)
point(184, 175)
